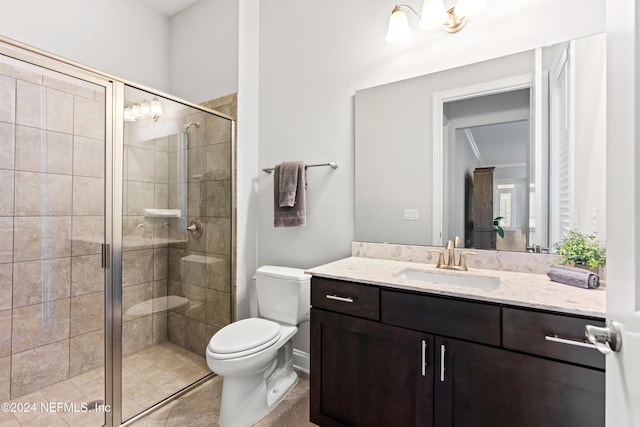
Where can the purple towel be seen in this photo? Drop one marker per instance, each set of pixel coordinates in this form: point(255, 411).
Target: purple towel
point(290, 216)
point(573, 276)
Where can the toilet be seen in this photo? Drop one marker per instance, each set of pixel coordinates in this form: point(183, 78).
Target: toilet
point(255, 355)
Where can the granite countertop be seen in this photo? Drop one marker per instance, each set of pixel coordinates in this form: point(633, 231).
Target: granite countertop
point(518, 289)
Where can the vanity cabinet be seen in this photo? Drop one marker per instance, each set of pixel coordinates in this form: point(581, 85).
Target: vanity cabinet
point(363, 372)
point(478, 385)
point(414, 359)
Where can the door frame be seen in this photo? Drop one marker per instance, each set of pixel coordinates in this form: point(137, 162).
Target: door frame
point(438, 167)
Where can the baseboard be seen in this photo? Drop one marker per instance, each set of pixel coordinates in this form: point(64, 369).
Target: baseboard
point(301, 361)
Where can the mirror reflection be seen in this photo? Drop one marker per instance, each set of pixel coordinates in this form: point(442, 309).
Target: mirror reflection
point(508, 153)
point(487, 139)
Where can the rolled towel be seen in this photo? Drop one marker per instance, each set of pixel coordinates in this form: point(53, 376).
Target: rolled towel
point(573, 276)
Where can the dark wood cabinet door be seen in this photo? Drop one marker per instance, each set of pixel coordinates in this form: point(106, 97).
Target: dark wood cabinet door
point(366, 374)
point(483, 386)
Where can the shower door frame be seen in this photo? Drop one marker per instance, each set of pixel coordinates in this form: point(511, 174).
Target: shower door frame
point(37, 57)
point(113, 210)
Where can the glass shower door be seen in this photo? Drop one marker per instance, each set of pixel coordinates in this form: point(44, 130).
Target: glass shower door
point(52, 227)
point(176, 244)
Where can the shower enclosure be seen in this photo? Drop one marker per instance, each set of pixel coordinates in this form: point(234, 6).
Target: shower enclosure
point(115, 242)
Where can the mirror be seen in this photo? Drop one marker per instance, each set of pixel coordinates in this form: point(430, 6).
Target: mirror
point(538, 118)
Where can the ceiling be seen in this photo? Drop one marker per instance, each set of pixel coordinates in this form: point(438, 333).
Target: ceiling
point(169, 7)
point(501, 144)
point(495, 126)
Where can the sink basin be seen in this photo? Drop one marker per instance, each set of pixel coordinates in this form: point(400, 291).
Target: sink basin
point(462, 279)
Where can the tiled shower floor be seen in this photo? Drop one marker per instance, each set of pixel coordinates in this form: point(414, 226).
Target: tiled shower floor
point(147, 377)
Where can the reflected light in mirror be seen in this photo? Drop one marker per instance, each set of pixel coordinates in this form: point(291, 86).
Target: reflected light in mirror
point(145, 110)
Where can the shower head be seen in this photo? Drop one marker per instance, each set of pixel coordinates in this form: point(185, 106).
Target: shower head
point(186, 127)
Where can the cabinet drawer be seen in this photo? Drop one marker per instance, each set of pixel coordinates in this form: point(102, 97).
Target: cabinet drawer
point(479, 322)
point(544, 334)
point(346, 297)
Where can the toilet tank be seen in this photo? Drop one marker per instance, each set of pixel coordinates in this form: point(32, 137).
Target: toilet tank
point(283, 294)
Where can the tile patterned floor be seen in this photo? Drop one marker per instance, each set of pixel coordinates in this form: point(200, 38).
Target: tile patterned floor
point(201, 406)
point(147, 377)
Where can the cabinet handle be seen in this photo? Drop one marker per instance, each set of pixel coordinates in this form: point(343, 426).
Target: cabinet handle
point(557, 339)
point(337, 298)
point(424, 358)
point(442, 351)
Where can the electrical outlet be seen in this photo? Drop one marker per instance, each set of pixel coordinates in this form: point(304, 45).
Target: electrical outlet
point(594, 220)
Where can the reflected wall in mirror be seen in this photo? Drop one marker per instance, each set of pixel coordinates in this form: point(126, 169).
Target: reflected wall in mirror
point(414, 150)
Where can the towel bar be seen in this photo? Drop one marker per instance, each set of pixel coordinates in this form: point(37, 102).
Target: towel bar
point(334, 165)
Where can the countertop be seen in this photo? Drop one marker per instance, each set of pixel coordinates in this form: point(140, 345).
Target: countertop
point(517, 289)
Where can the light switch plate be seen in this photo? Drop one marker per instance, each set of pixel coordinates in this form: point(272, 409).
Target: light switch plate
point(411, 215)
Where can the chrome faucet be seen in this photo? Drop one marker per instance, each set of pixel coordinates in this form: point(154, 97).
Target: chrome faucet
point(451, 263)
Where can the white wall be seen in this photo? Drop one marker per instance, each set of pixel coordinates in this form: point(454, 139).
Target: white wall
point(247, 159)
point(315, 55)
point(591, 134)
point(121, 37)
point(313, 59)
point(204, 50)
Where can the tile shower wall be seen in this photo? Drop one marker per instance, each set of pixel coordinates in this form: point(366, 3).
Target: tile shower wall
point(51, 227)
point(200, 269)
point(145, 240)
point(160, 258)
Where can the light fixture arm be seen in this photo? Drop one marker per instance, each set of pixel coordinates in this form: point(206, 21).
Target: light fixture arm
point(454, 22)
point(398, 6)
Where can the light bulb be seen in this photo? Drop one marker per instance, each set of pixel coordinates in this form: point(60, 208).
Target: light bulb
point(145, 109)
point(433, 14)
point(128, 115)
point(398, 30)
point(137, 114)
point(156, 107)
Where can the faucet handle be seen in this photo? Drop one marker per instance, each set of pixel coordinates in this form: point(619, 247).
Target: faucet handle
point(457, 242)
point(462, 261)
point(440, 262)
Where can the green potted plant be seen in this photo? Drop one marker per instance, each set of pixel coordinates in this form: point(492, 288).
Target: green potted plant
point(497, 227)
point(581, 250)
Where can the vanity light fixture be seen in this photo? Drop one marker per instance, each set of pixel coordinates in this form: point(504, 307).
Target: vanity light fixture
point(433, 16)
point(145, 110)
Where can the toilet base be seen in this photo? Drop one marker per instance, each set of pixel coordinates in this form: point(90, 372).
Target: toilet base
point(248, 399)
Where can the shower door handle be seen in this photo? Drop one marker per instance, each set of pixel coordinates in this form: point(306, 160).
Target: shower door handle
point(106, 260)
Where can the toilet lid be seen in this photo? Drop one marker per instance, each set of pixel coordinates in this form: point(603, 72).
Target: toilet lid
point(245, 335)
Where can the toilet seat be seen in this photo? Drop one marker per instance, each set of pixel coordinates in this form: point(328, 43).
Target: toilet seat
point(242, 338)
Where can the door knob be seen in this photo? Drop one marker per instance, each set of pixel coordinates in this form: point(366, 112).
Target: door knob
point(606, 339)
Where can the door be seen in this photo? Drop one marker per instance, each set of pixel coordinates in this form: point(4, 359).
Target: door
point(54, 136)
point(472, 380)
point(369, 374)
point(623, 194)
point(176, 245)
